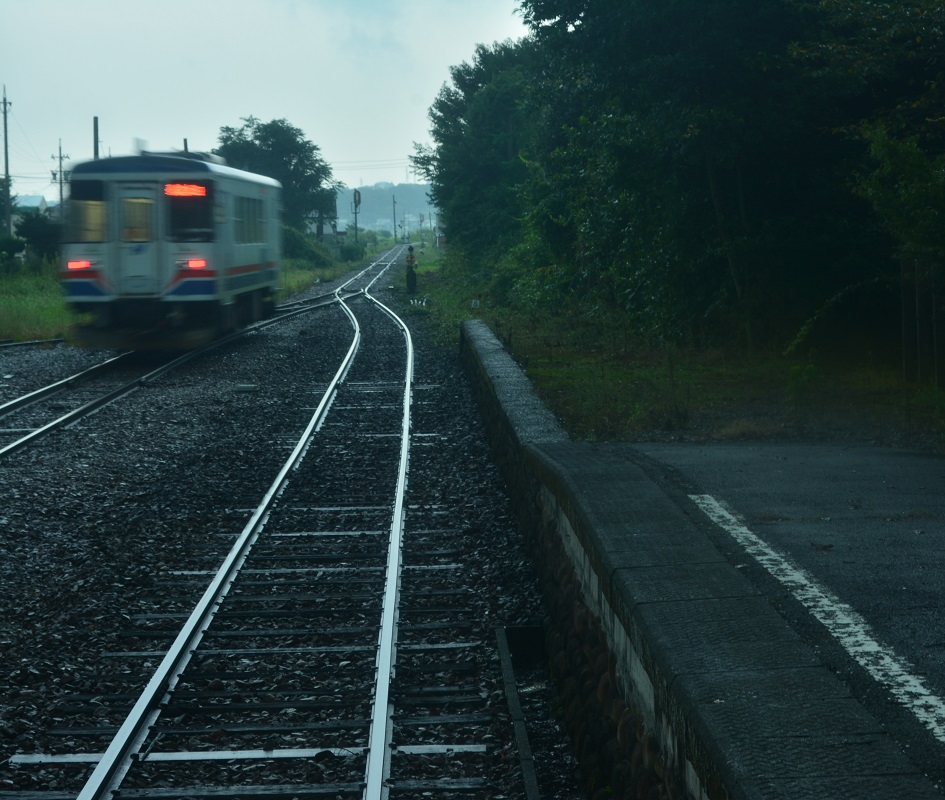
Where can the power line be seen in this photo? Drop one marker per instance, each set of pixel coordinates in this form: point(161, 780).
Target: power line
point(26, 137)
point(368, 167)
point(382, 161)
point(60, 176)
point(7, 194)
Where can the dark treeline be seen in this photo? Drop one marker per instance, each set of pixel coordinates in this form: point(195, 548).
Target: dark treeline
point(719, 171)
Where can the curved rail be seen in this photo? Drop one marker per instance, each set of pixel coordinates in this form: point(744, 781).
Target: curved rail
point(54, 388)
point(31, 343)
point(84, 410)
point(119, 756)
point(378, 763)
point(132, 735)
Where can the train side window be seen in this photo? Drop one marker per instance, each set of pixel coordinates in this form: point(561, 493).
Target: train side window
point(261, 222)
point(86, 220)
point(191, 217)
point(238, 219)
point(248, 220)
point(136, 215)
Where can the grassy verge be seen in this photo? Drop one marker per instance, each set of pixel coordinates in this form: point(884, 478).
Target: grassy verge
point(32, 306)
point(604, 384)
point(601, 382)
point(298, 275)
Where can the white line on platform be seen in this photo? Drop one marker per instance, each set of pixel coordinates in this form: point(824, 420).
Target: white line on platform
point(845, 624)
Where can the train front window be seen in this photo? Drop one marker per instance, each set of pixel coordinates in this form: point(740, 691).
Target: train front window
point(190, 211)
point(136, 216)
point(86, 220)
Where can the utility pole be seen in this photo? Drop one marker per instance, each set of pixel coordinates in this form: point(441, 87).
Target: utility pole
point(7, 194)
point(357, 205)
point(59, 176)
point(393, 219)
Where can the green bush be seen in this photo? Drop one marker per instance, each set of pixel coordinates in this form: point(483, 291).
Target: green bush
point(9, 249)
point(298, 246)
point(352, 252)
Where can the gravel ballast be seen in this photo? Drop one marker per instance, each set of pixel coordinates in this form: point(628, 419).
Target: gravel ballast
point(162, 481)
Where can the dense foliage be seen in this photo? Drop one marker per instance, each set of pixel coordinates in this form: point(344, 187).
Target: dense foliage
point(36, 241)
point(40, 232)
point(715, 170)
point(281, 151)
point(481, 127)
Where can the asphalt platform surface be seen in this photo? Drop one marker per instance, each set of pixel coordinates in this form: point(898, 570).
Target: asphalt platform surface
point(742, 705)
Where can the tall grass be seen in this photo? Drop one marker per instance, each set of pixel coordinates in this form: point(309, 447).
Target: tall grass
point(604, 382)
point(298, 275)
point(31, 303)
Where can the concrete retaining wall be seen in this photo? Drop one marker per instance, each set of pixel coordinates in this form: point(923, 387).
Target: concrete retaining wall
point(620, 715)
point(679, 678)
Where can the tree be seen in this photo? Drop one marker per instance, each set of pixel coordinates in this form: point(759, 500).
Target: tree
point(10, 247)
point(480, 129)
point(882, 65)
point(715, 169)
point(686, 167)
point(40, 232)
point(281, 151)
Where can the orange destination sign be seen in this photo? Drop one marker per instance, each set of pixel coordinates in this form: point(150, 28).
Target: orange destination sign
point(184, 190)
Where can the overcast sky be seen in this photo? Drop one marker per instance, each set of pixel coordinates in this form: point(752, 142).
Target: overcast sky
point(356, 76)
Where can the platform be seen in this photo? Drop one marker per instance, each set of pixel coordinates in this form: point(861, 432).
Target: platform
point(735, 704)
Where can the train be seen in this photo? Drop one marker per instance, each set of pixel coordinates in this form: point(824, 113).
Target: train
point(167, 251)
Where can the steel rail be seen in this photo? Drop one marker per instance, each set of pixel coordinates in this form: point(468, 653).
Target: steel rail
point(377, 769)
point(54, 388)
point(45, 392)
point(121, 753)
point(31, 342)
point(81, 411)
point(93, 405)
point(125, 747)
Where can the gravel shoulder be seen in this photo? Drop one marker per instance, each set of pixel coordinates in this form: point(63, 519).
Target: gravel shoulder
point(93, 523)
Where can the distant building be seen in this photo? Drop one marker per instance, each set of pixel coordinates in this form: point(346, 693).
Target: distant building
point(30, 202)
point(25, 203)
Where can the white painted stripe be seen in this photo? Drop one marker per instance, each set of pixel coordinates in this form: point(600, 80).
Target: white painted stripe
point(845, 624)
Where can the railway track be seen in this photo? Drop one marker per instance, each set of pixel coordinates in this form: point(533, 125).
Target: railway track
point(342, 649)
point(9, 343)
point(27, 418)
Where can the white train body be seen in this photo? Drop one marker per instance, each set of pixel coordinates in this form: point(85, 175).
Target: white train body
point(168, 250)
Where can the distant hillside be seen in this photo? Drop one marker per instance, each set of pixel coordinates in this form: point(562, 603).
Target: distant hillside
point(377, 206)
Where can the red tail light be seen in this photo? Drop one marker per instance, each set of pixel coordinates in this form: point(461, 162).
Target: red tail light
point(197, 263)
point(80, 264)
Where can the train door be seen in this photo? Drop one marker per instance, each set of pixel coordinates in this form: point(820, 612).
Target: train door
point(138, 263)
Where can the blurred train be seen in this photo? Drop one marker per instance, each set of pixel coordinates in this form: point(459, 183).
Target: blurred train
point(168, 250)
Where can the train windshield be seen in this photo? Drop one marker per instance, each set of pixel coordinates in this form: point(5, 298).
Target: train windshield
point(86, 217)
point(136, 219)
point(190, 211)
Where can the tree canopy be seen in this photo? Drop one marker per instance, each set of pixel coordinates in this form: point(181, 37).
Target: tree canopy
point(480, 127)
point(714, 169)
point(279, 150)
point(40, 232)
